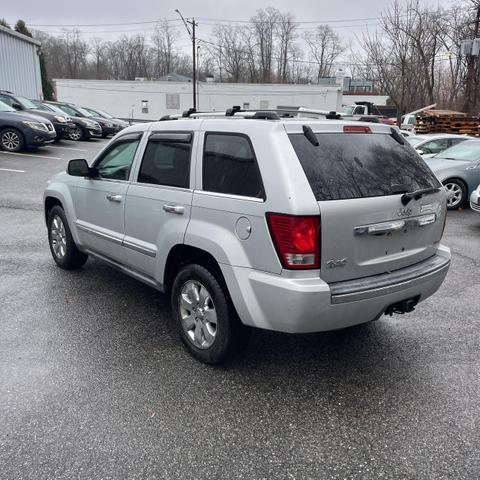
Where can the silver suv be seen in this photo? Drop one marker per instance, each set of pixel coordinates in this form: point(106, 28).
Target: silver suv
point(289, 224)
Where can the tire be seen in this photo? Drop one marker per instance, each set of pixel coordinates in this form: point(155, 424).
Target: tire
point(62, 247)
point(77, 133)
point(457, 191)
point(207, 322)
point(11, 140)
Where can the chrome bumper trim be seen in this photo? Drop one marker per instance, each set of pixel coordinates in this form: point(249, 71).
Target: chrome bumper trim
point(386, 283)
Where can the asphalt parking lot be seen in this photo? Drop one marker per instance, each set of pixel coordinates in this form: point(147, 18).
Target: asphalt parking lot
point(94, 383)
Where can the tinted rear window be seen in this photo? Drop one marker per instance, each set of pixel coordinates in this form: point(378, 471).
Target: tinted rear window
point(360, 165)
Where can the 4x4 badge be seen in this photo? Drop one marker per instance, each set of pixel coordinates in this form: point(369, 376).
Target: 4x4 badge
point(404, 212)
point(341, 262)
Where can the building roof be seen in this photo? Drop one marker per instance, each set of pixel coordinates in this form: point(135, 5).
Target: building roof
point(20, 36)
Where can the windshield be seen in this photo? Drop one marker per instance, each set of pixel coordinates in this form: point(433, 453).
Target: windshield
point(104, 114)
point(356, 165)
point(468, 150)
point(6, 108)
point(349, 109)
point(40, 105)
point(25, 102)
point(84, 112)
point(414, 140)
point(67, 109)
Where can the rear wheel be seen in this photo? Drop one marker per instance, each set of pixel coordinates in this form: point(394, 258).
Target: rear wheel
point(207, 321)
point(63, 248)
point(11, 140)
point(76, 133)
point(457, 193)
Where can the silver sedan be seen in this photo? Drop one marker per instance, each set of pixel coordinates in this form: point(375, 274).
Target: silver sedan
point(458, 168)
point(435, 143)
point(475, 200)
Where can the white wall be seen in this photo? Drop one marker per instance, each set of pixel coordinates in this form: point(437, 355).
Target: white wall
point(124, 99)
point(376, 99)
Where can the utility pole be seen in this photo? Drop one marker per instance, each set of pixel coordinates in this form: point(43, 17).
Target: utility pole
point(198, 67)
point(471, 94)
point(191, 33)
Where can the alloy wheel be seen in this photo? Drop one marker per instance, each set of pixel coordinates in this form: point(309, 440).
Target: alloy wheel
point(198, 314)
point(75, 133)
point(58, 237)
point(10, 140)
point(455, 194)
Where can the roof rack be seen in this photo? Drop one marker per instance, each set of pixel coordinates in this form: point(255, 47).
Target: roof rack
point(268, 114)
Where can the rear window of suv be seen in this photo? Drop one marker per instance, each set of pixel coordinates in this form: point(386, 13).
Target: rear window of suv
point(357, 165)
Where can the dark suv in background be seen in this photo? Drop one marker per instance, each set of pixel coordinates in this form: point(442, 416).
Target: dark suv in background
point(60, 121)
point(19, 130)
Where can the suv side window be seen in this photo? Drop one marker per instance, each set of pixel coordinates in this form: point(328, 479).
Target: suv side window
point(116, 163)
point(229, 166)
point(166, 160)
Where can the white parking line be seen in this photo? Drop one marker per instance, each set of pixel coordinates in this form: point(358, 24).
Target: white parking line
point(30, 155)
point(11, 170)
point(67, 148)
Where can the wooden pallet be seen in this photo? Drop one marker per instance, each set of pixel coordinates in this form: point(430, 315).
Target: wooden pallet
point(461, 125)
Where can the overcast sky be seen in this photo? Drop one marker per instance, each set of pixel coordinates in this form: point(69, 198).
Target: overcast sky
point(348, 17)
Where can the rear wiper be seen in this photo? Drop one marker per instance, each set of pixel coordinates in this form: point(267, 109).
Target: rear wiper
point(417, 194)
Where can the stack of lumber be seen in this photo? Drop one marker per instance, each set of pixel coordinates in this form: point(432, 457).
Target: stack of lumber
point(447, 121)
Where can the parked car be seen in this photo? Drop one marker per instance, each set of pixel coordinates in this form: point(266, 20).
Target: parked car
point(79, 128)
point(117, 123)
point(475, 199)
point(59, 121)
point(85, 128)
point(19, 130)
point(432, 144)
point(108, 127)
point(295, 225)
point(458, 168)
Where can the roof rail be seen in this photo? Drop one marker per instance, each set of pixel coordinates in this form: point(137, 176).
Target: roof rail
point(269, 114)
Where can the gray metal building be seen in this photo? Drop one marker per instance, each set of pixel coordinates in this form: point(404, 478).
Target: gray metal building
point(19, 64)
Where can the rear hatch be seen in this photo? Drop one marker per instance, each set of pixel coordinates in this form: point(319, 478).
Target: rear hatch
point(359, 180)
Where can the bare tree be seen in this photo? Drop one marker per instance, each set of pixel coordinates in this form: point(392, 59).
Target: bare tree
point(76, 51)
point(163, 48)
point(286, 33)
point(325, 46)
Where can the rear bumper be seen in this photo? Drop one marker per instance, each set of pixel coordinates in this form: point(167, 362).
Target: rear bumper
point(301, 305)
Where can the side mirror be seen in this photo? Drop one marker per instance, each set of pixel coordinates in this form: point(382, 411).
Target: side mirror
point(419, 151)
point(79, 168)
point(17, 106)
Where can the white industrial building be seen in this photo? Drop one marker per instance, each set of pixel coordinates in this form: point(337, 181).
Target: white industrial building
point(149, 100)
point(19, 64)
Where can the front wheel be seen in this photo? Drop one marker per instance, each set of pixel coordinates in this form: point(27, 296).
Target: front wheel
point(63, 248)
point(11, 140)
point(76, 133)
point(208, 324)
point(457, 193)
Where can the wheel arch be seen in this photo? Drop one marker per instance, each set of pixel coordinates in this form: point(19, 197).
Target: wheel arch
point(49, 203)
point(182, 254)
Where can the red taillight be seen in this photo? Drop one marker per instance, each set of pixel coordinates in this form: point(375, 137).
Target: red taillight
point(296, 239)
point(356, 129)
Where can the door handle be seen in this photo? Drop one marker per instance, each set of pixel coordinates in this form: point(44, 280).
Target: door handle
point(178, 209)
point(114, 198)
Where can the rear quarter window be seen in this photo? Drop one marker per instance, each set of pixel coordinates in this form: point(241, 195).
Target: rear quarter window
point(230, 166)
point(345, 166)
